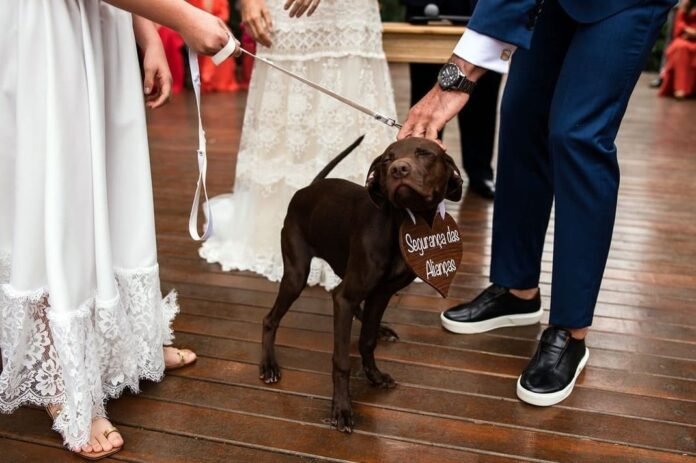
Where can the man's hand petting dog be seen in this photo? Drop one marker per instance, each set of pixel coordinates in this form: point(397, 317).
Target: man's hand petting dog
point(356, 230)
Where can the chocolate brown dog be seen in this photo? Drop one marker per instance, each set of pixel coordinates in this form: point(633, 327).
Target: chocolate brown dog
point(356, 230)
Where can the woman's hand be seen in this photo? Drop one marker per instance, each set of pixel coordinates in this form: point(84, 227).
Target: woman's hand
point(205, 34)
point(298, 7)
point(157, 82)
point(257, 19)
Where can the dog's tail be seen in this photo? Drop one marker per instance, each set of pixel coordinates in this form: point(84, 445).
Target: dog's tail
point(334, 162)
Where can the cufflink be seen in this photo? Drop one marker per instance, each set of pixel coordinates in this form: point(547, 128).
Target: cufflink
point(506, 54)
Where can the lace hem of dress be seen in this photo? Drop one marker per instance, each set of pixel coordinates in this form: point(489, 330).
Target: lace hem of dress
point(81, 360)
point(233, 257)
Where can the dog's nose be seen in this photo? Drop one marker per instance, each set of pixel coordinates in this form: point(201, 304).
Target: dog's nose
point(400, 169)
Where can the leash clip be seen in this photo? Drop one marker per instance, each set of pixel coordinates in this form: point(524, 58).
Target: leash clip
point(387, 120)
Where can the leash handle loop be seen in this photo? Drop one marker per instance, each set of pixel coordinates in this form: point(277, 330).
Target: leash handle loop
point(202, 159)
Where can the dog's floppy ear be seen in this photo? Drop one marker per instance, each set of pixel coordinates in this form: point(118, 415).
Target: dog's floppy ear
point(454, 184)
point(373, 183)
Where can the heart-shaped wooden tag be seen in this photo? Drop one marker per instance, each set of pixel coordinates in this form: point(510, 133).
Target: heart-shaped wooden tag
point(433, 253)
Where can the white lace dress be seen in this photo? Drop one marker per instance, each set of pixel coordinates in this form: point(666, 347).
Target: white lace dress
point(291, 131)
point(81, 313)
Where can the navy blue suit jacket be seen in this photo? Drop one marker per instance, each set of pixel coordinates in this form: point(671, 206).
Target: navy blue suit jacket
point(513, 21)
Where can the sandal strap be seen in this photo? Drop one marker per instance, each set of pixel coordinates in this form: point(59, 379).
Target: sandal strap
point(54, 410)
point(109, 431)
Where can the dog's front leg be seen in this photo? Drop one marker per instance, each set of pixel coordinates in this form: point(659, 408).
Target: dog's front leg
point(342, 412)
point(375, 305)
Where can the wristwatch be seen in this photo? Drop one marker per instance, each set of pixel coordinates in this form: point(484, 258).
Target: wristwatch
point(452, 78)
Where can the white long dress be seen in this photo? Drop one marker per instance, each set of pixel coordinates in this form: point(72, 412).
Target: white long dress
point(81, 313)
point(291, 131)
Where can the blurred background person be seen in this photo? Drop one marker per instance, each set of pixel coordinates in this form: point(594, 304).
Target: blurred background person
point(679, 75)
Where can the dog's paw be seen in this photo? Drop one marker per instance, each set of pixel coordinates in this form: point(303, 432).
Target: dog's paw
point(342, 419)
point(379, 379)
point(387, 334)
point(269, 372)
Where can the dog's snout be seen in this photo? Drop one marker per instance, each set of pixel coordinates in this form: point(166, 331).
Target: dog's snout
point(400, 169)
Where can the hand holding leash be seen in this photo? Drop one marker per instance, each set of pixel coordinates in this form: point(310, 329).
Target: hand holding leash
point(206, 34)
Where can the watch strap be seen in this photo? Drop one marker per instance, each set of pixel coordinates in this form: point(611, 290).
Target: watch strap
point(465, 85)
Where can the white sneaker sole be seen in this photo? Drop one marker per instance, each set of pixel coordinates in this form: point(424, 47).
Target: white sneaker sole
point(492, 324)
point(546, 400)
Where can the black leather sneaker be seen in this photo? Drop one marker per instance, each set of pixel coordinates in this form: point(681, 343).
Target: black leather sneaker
point(550, 376)
point(495, 307)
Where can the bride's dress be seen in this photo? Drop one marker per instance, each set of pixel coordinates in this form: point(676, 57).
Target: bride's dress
point(81, 314)
point(291, 131)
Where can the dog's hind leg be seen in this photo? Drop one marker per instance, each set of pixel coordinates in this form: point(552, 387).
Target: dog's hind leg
point(297, 258)
point(385, 333)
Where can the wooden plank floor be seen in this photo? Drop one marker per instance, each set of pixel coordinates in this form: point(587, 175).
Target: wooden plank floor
point(455, 402)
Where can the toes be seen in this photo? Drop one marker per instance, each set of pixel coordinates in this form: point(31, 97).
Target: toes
point(269, 373)
point(116, 439)
point(343, 421)
point(100, 442)
point(379, 379)
point(87, 448)
point(188, 354)
point(388, 382)
point(94, 443)
point(387, 334)
point(345, 424)
point(104, 442)
point(174, 357)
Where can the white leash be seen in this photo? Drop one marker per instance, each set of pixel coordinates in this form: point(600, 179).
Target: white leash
point(202, 159)
point(374, 114)
point(201, 154)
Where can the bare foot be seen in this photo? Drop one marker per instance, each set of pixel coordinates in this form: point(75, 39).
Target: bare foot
point(679, 94)
point(103, 437)
point(176, 358)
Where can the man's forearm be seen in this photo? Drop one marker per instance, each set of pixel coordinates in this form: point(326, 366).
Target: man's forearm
point(470, 70)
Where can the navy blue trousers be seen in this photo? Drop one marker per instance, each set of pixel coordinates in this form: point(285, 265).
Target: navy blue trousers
point(562, 108)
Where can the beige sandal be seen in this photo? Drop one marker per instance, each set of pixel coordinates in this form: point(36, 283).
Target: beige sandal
point(182, 359)
point(53, 413)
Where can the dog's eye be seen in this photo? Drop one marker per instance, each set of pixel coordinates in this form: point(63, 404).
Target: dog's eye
point(424, 153)
point(388, 158)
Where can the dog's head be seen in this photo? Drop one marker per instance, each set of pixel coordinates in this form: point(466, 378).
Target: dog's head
point(414, 173)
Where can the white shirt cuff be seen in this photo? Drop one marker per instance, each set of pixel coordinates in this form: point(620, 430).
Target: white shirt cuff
point(484, 51)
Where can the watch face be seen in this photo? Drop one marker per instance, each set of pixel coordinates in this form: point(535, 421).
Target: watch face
point(449, 75)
